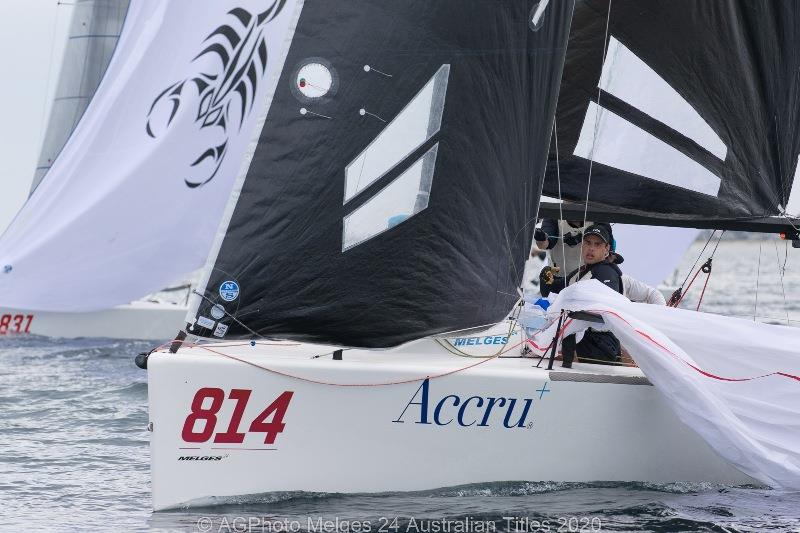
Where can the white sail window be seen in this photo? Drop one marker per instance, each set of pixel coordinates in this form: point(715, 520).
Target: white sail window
point(793, 205)
point(619, 144)
point(403, 198)
point(537, 14)
point(419, 120)
point(550, 199)
point(630, 79)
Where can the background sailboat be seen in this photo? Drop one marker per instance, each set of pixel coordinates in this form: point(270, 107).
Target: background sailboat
point(93, 30)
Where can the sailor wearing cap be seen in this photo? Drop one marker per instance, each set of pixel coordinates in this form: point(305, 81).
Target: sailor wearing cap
point(598, 263)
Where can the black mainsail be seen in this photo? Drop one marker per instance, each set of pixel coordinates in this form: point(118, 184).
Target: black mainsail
point(392, 186)
point(686, 112)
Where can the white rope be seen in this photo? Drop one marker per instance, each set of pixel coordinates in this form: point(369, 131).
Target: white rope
point(596, 127)
point(560, 204)
point(54, 33)
point(758, 276)
point(780, 274)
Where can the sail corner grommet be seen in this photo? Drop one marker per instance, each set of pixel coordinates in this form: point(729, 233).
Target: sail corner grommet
point(337, 355)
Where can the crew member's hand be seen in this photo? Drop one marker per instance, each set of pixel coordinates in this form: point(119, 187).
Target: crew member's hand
point(548, 274)
point(539, 235)
point(573, 239)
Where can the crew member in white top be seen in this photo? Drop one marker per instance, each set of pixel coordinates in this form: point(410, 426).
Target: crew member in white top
point(640, 292)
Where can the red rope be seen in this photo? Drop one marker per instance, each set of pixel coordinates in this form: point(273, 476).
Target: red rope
point(708, 277)
point(688, 287)
point(381, 384)
point(558, 334)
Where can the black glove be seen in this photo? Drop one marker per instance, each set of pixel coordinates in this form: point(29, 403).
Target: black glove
point(539, 235)
point(546, 279)
point(548, 275)
point(573, 239)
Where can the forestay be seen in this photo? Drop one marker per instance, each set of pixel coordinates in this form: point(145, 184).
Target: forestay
point(735, 382)
point(133, 201)
point(680, 109)
point(393, 184)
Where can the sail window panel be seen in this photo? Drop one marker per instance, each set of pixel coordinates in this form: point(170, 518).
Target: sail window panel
point(416, 123)
point(611, 140)
point(793, 205)
point(404, 197)
point(630, 79)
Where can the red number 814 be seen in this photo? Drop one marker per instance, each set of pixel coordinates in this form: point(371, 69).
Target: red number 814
point(277, 409)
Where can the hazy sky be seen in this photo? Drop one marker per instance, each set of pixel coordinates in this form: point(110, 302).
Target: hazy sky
point(32, 38)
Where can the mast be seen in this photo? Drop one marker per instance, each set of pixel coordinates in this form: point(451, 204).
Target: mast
point(93, 34)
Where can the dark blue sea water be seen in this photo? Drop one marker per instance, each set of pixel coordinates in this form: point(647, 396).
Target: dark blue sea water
point(74, 457)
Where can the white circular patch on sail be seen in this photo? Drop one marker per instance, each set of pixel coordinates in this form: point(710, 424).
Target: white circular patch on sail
point(217, 311)
point(314, 80)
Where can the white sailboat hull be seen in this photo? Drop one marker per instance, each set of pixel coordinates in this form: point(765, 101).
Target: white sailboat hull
point(589, 423)
point(137, 320)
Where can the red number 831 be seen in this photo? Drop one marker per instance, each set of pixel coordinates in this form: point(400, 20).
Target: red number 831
point(232, 435)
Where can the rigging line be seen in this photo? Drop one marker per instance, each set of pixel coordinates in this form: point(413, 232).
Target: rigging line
point(561, 205)
point(50, 68)
point(596, 126)
point(785, 199)
point(718, 241)
point(758, 275)
point(698, 258)
point(450, 333)
point(785, 256)
point(708, 273)
point(511, 255)
point(444, 343)
point(789, 219)
point(783, 288)
point(319, 382)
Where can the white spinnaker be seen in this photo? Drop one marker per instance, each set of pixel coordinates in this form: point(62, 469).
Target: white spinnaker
point(115, 219)
point(734, 382)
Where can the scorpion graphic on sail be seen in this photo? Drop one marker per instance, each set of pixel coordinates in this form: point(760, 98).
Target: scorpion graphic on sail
point(242, 50)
